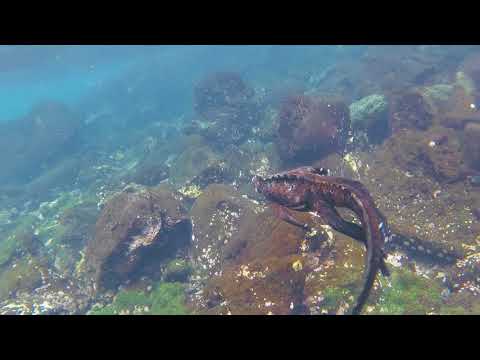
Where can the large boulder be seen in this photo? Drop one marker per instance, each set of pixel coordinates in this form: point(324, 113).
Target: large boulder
point(226, 109)
point(370, 114)
point(436, 153)
point(136, 230)
point(255, 263)
point(311, 127)
point(472, 145)
point(410, 110)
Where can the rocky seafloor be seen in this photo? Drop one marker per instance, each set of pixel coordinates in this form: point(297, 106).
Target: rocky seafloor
point(149, 223)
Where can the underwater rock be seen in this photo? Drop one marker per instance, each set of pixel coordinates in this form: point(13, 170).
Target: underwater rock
point(226, 107)
point(136, 229)
point(217, 173)
point(255, 263)
point(79, 223)
point(408, 293)
point(221, 89)
point(19, 240)
point(215, 216)
point(438, 94)
point(444, 152)
point(371, 115)
point(368, 110)
point(266, 286)
point(399, 67)
point(471, 68)
point(409, 110)
point(462, 108)
point(23, 275)
point(437, 152)
point(472, 145)
point(194, 160)
point(149, 173)
point(387, 69)
point(311, 128)
point(177, 270)
point(465, 275)
point(163, 299)
point(461, 303)
point(36, 141)
point(55, 296)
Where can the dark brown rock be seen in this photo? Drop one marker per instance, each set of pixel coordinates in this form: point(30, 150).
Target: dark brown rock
point(409, 110)
point(136, 230)
point(311, 128)
point(472, 145)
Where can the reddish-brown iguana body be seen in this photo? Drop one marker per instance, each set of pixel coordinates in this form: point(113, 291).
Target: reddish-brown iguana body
point(311, 189)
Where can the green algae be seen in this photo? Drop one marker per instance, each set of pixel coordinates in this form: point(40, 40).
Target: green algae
point(365, 112)
point(13, 243)
point(178, 270)
point(164, 299)
point(334, 296)
point(7, 249)
point(408, 293)
point(23, 275)
point(42, 228)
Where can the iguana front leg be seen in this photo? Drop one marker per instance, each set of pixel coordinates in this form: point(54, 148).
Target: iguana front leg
point(285, 214)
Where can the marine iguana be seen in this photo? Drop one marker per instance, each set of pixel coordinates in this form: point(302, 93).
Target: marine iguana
point(312, 189)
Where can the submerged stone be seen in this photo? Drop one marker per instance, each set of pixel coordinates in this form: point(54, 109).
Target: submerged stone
point(367, 111)
point(136, 230)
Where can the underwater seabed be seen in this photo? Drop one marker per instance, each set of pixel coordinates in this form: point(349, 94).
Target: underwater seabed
point(154, 218)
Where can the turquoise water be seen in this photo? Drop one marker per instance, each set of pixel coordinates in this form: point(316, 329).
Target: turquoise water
point(57, 78)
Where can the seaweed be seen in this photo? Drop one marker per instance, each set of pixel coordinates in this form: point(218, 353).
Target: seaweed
point(164, 299)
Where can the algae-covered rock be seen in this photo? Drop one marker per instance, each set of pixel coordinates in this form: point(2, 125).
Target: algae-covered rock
point(436, 152)
point(410, 110)
point(177, 270)
point(191, 163)
point(312, 127)
point(164, 299)
point(367, 111)
point(407, 293)
point(54, 296)
point(461, 109)
point(257, 263)
point(226, 107)
point(149, 172)
point(19, 239)
point(215, 218)
point(335, 283)
point(136, 230)
point(461, 303)
point(472, 145)
point(23, 275)
point(265, 286)
point(438, 94)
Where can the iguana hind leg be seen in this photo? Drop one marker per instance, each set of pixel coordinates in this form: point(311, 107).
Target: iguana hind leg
point(331, 217)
